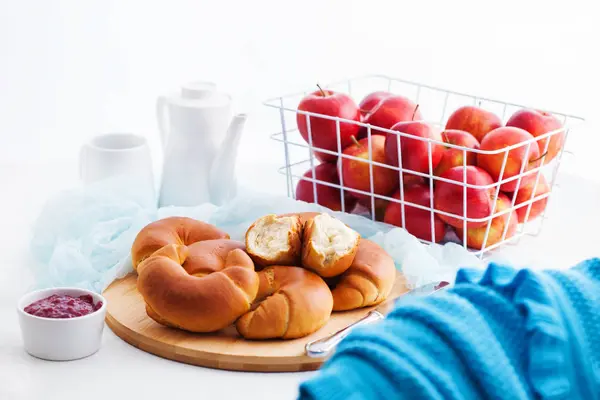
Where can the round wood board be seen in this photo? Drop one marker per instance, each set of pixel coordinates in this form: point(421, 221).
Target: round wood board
point(126, 316)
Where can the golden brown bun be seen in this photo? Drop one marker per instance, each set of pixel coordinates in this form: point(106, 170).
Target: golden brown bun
point(204, 287)
point(171, 230)
point(328, 245)
point(273, 240)
point(291, 303)
point(368, 281)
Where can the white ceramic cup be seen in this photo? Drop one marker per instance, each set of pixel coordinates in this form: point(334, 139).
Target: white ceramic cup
point(124, 156)
point(61, 339)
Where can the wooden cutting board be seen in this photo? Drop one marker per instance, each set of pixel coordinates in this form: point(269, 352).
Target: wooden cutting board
point(127, 318)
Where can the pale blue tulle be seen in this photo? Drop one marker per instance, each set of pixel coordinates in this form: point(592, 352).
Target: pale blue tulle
point(83, 236)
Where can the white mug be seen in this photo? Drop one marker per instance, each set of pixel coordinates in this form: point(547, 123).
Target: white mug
point(123, 158)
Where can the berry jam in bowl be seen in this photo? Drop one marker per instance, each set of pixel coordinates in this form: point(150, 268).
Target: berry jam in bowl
point(61, 324)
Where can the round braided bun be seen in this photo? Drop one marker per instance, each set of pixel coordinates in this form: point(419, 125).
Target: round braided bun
point(171, 230)
point(204, 287)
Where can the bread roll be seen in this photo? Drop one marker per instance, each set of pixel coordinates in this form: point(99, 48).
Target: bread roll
point(171, 230)
point(291, 303)
point(328, 246)
point(368, 281)
point(273, 240)
point(204, 287)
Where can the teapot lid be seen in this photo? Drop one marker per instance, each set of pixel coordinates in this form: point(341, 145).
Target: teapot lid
point(200, 94)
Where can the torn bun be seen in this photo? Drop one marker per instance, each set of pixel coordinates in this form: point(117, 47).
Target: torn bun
point(274, 240)
point(329, 245)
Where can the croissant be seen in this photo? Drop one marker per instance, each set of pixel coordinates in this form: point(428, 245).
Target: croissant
point(291, 303)
point(368, 281)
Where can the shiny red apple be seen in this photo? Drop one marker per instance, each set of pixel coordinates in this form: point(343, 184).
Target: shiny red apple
point(327, 196)
point(452, 157)
point(525, 193)
point(323, 131)
point(415, 152)
point(476, 236)
point(538, 123)
point(389, 111)
point(501, 138)
point(416, 221)
point(412, 179)
point(449, 197)
point(356, 174)
point(475, 120)
point(371, 100)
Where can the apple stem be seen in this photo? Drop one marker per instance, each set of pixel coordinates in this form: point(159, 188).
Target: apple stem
point(415, 112)
point(479, 103)
point(355, 141)
point(539, 158)
point(322, 91)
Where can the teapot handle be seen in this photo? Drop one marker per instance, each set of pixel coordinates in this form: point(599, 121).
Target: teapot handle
point(161, 116)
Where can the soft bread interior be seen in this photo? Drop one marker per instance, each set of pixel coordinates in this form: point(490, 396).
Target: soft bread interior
point(331, 237)
point(270, 236)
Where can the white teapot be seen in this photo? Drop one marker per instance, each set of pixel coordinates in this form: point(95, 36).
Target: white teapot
point(200, 140)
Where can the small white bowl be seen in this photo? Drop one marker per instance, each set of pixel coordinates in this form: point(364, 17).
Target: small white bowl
point(61, 339)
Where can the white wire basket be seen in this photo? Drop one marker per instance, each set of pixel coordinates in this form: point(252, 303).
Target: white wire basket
point(521, 211)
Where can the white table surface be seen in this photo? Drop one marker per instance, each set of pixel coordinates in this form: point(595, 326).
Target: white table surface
point(119, 370)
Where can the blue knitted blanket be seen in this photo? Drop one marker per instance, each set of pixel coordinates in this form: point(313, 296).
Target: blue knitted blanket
point(499, 333)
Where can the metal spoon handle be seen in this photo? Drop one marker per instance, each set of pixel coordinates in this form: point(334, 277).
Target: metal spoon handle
point(322, 347)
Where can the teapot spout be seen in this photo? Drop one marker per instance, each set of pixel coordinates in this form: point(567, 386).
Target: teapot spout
point(222, 180)
point(236, 126)
point(231, 141)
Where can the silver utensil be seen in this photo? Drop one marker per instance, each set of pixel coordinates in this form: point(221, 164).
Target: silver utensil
point(322, 347)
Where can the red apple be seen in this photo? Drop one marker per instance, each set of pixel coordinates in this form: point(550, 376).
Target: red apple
point(524, 194)
point(501, 138)
point(382, 204)
point(448, 197)
point(538, 123)
point(412, 179)
point(454, 157)
point(416, 221)
point(356, 174)
point(389, 111)
point(415, 156)
point(372, 100)
point(324, 133)
point(475, 120)
point(327, 196)
point(476, 236)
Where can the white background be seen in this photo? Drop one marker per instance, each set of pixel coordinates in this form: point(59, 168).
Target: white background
point(72, 69)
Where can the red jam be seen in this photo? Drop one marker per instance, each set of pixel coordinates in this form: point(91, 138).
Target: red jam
point(63, 306)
